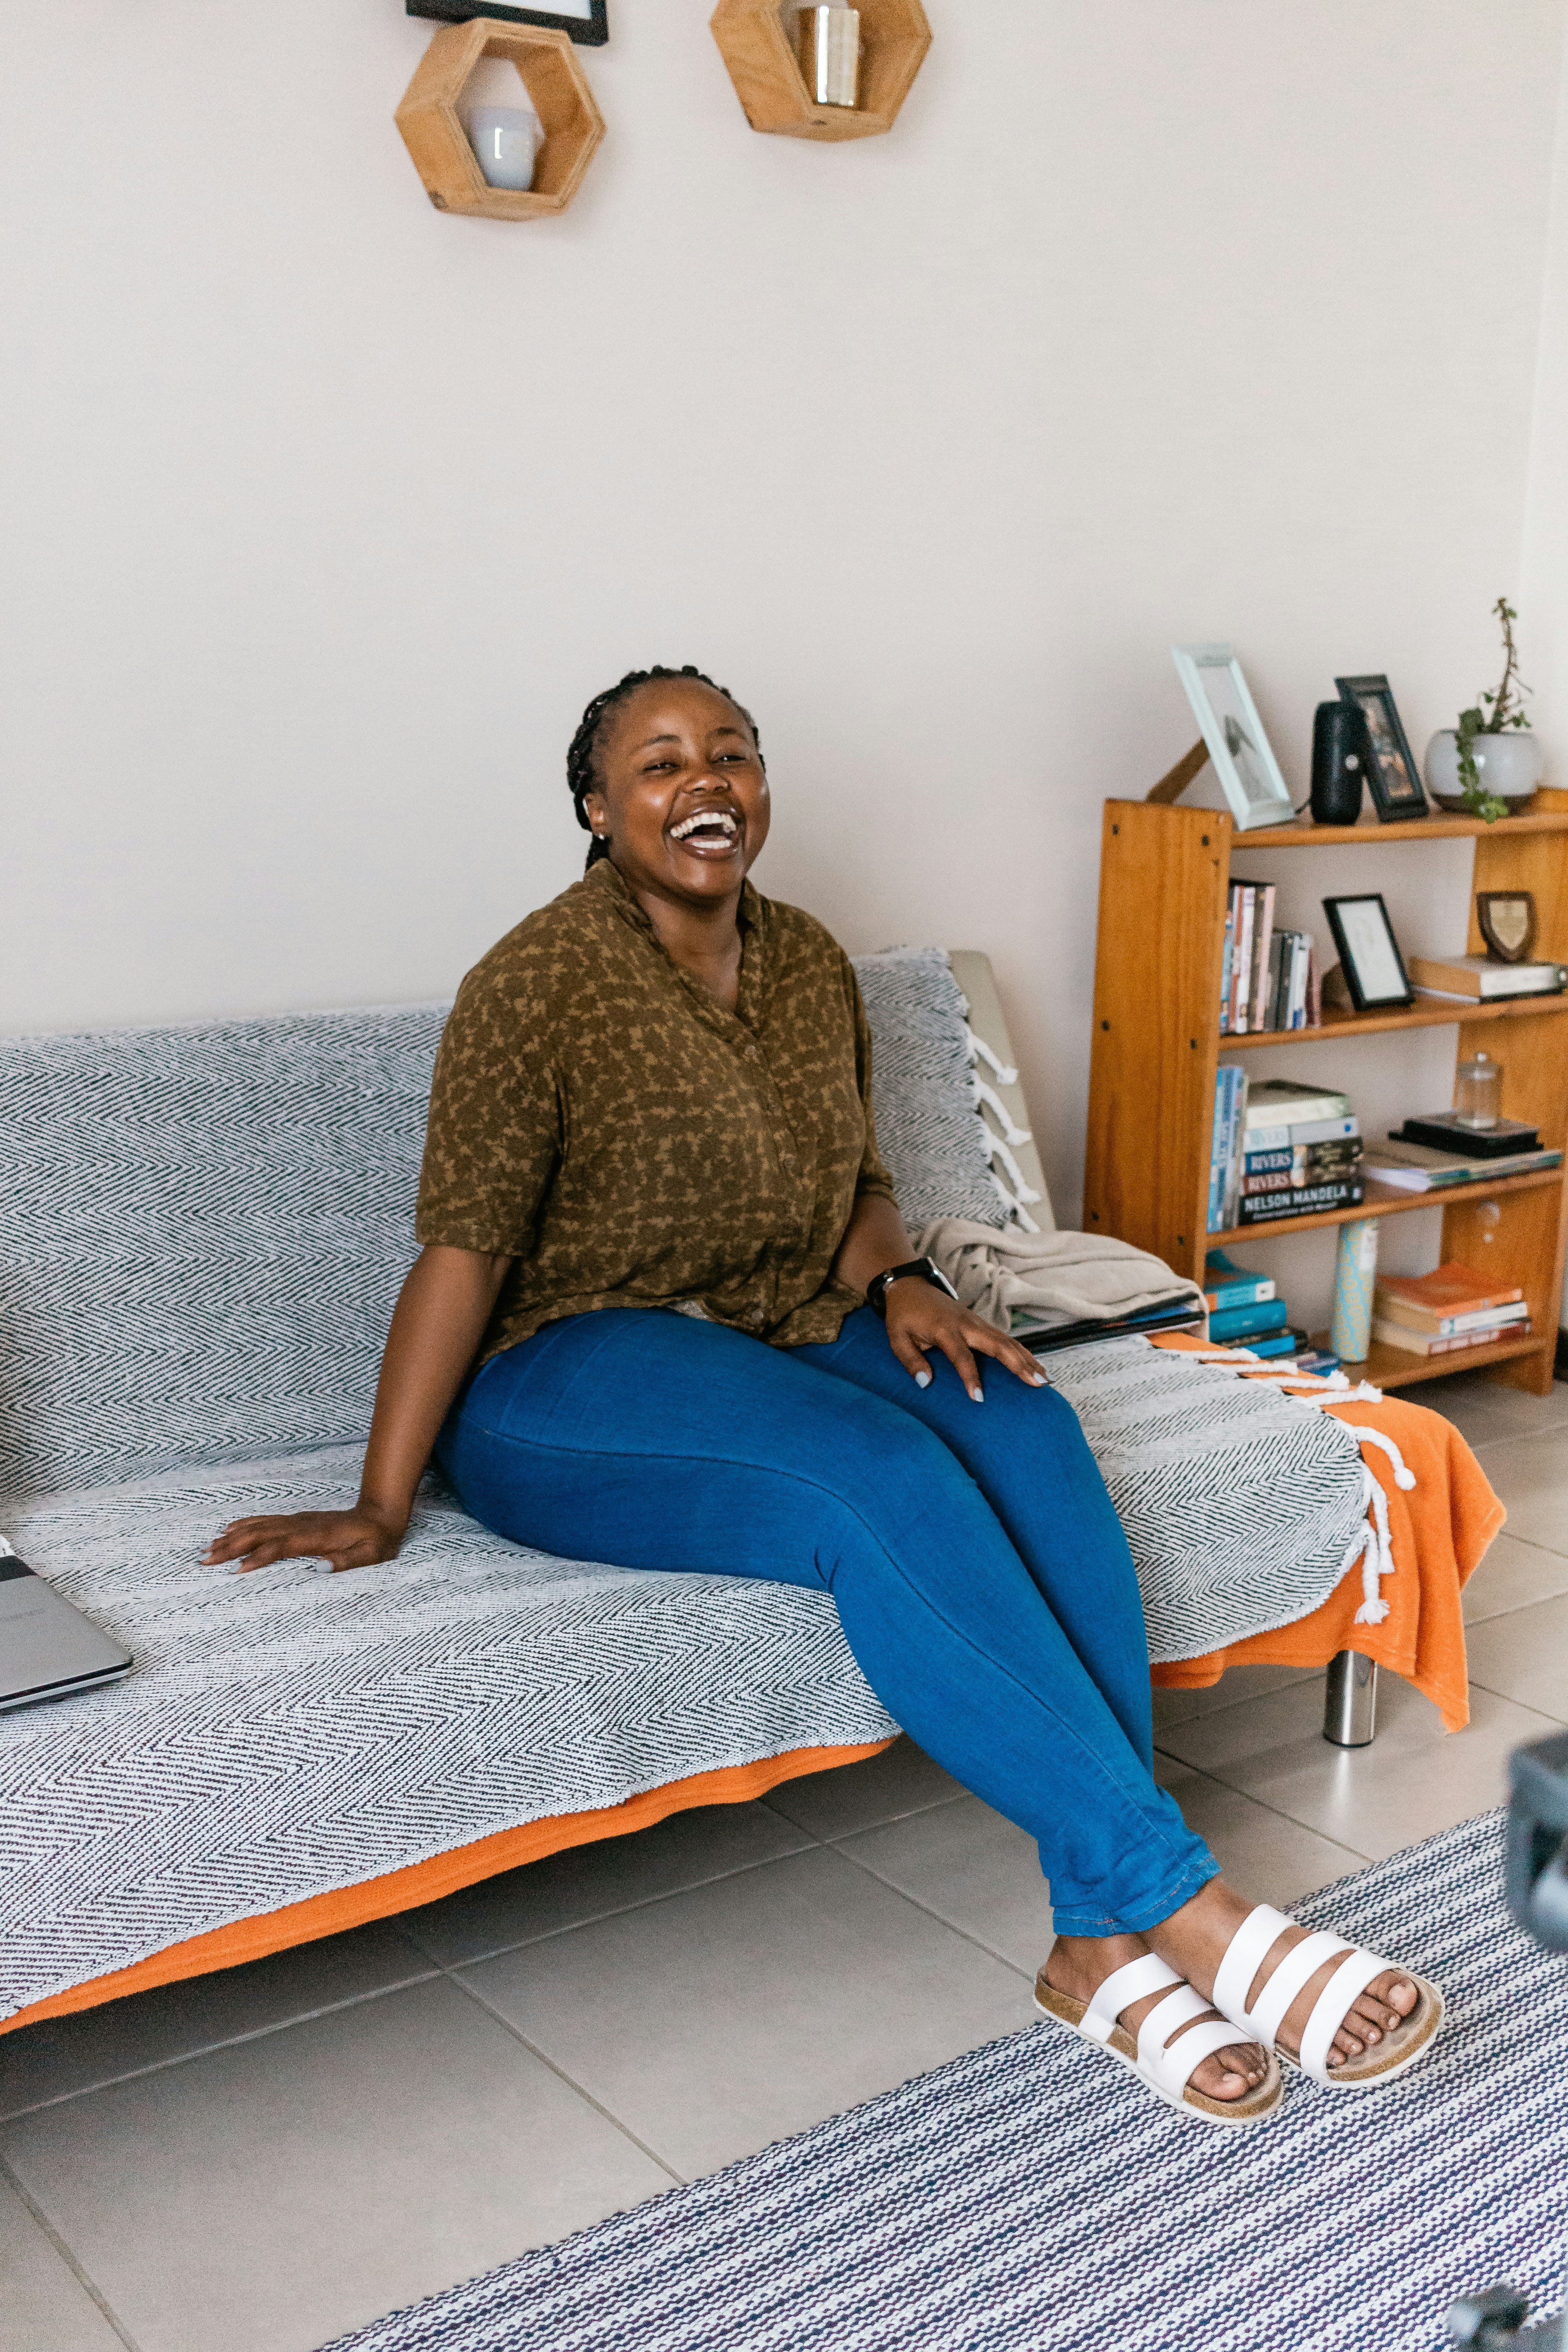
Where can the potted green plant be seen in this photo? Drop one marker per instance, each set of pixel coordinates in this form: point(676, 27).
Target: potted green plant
point(1490, 765)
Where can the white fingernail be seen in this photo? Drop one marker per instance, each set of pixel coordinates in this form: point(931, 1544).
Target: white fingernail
point(1039, 1381)
point(320, 1567)
point(922, 1379)
point(978, 1395)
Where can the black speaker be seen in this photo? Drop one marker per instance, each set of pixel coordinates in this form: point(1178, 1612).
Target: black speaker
point(1340, 755)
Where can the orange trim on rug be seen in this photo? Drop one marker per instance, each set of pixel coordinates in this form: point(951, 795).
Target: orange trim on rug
point(444, 1874)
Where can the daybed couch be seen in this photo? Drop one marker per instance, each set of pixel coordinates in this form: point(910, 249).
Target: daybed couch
point(202, 1233)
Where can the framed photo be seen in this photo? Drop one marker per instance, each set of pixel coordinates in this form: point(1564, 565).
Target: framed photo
point(1506, 919)
point(1394, 778)
point(1369, 952)
point(1232, 733)
point(588, 21)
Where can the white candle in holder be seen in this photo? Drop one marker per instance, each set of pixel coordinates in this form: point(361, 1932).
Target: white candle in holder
point(506, 139)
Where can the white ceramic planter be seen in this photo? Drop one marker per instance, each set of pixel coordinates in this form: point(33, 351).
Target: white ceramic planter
point(1510, 765)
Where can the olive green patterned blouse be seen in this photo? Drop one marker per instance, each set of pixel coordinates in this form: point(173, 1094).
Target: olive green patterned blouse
point(597, 1116)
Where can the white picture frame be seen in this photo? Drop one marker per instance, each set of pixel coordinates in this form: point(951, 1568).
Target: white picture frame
point(1254, 791)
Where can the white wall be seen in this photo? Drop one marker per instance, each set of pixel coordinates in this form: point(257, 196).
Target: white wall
point(324, 513)
point(1543, 602)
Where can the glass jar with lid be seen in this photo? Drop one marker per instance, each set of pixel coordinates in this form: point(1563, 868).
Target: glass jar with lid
point(1477, 1092)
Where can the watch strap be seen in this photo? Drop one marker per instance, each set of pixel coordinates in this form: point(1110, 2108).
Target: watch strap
point(928, 1270)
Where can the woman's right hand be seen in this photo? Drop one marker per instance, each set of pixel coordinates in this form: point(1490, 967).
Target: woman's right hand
point(355, 1539)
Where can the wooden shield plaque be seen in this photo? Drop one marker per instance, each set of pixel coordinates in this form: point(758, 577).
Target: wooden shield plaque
point(1507, 918)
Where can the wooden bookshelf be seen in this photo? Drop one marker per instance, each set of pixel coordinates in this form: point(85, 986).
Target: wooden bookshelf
point(1165, 874)
point(1425, 1013)
point(1392, 1367)
point(1535, 820)
point(1388, 1201)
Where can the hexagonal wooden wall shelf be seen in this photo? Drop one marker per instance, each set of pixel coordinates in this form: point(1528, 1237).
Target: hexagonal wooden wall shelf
point(557, 89)
point(894, 37)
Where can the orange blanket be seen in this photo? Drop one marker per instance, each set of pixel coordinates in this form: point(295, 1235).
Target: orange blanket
point(1440, 1529)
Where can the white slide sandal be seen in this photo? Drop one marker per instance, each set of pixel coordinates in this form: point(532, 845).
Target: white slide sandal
point(1248, 1948)
point(1163, 2066)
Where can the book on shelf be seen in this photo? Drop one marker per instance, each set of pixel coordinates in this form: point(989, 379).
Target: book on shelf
point(1262, 951)
point(1451, 1288)
point(1417, 1168)
point(1226, 1286)
point(1446, 1326)
point(1225, 1150)
point(1286, 1102)
point(1267, 975)
point(1299, 1132)
point(1322, 1361)
point(1300, 1201)
point(1289, 969)
point(1440, 1343)
point(1277, 1343)
point(1446, 1131)
point(1237, 1323)
point(1309, 1163)
point(1280, 1149)
point(1483, 978)
point(1233, 1012)
point(1451, 1302)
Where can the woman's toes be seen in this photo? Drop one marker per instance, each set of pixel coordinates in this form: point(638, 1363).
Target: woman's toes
point(1230, 2074)
point(1403, 1996)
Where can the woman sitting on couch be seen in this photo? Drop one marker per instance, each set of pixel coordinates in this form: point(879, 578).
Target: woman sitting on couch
point(655, 1095)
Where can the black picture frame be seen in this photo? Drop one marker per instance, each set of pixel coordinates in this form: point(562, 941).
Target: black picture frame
point(1366, 992)
point(1392, 772)
point(590, 32)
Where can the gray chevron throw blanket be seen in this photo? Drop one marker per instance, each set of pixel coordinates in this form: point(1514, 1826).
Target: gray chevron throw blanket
point(201, 1232)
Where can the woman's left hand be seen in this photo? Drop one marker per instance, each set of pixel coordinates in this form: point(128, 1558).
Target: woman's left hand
point(921, 1316)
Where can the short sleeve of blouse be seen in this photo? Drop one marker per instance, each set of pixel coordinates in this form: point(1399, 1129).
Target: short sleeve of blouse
point(494, 1136)
point(873, 1176)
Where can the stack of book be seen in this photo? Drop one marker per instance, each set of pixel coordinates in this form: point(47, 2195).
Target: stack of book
point(1280, 1150)
point(1421, 1167)
point(1268, 977)
point(1480, 976)
point(1447, 1311)
point(1246, 1311)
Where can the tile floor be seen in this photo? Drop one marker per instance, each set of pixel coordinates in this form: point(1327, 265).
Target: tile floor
point(261, 2159)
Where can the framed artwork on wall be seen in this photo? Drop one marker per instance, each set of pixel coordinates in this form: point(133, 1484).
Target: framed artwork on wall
point(1394, 778)
point(1232, 733)
point(588, 21)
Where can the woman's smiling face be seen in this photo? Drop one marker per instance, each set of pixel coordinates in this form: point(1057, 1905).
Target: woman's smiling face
point(682, 798)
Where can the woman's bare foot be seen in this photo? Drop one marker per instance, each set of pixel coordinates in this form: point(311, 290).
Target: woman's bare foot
point(1078, 1965)
point(1194, 1938)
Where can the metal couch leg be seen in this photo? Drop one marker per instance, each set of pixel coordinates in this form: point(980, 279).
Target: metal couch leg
point(1350, 1711)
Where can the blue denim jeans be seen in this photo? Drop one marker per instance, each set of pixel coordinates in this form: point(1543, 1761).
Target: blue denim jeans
point(981, 1577)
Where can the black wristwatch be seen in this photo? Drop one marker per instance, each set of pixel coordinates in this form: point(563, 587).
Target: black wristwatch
point(926, 1267)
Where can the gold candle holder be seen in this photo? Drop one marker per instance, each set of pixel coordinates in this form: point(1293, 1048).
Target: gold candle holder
point(830, 55)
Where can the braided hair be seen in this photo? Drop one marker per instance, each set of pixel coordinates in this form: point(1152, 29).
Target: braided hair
point(582, 776)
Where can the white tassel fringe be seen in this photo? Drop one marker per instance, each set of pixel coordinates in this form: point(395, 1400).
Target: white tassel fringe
point(1372, 1544)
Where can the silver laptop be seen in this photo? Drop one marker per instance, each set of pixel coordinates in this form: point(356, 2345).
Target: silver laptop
point(47, 1649)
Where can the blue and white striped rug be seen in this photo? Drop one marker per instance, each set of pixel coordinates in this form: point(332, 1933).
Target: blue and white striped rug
point(1027, 2198)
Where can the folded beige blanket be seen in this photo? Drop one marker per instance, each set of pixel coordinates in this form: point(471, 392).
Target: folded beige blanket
point(1060, 1277)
